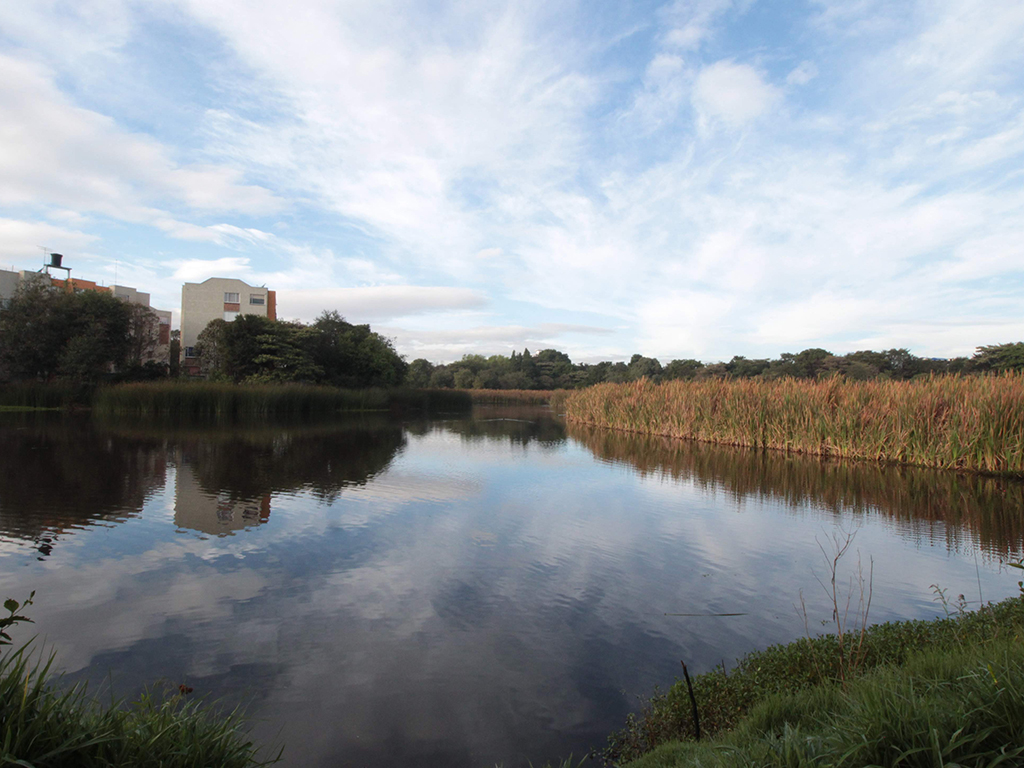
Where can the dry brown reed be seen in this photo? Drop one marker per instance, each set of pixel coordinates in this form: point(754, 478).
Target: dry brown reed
point(947, 422)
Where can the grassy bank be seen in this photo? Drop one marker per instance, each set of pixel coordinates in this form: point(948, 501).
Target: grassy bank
point(823, 680)
point(948, 422)
point(962, 706)
point(45, 725)
point(236, 402)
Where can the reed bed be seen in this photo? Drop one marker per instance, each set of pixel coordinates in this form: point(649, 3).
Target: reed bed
point(947, 422)
point(37, 395)
point(235, 402)
point(513, 396)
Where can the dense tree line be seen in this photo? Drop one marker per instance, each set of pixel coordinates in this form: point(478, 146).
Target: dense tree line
point(90, 336)
point(551, 369)
point(255, 349)
point(86, 337)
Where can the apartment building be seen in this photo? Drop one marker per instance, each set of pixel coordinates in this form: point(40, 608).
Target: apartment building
point(160, 349)
point(218, 298)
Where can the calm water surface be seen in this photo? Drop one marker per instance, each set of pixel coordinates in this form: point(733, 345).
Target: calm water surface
point(453, 592)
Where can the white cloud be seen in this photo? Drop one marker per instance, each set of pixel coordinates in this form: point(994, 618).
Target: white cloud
point(53, 152)
point(692, 22)
point(198, 270)
point(802, 74)
point(22, 240)
point(376, 303)
point(735, 93)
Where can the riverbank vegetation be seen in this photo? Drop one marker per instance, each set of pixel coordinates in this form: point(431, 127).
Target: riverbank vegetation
point(947, 422)
point(791, 704)
point(952, 707)
point(47, 725)
point(512, 396)
point(223, 401)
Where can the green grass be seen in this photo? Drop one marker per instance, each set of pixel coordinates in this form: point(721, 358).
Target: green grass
point(46, 725)
point(728, 701)
point(949, 422)
point(239, 402)
point(951, 707)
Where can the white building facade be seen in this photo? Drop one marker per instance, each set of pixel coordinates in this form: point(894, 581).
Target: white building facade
point(218, 298)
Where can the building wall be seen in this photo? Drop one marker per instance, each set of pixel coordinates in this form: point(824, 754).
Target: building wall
point(9, 282)
point(218, 298)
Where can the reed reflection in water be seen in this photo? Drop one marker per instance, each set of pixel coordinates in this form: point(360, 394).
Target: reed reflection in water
point(953, 506)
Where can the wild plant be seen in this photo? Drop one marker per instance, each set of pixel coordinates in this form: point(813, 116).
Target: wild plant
point(850, 629)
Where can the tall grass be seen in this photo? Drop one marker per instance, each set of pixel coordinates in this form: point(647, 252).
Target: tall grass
point(949, 422)
point(37, 394)
point(45, 725)
point(725, 699)
point(513, 396)
point(234, 402)
point(944, 708)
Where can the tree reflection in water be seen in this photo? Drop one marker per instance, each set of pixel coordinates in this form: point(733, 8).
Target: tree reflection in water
point(62, 473)
point(59, 474)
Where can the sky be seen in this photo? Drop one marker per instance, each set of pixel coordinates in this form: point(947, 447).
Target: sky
point(687, 179)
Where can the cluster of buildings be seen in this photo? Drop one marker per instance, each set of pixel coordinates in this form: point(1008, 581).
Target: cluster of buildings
point(215, 298)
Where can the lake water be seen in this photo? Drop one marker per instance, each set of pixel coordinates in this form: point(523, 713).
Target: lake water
point(454, 592)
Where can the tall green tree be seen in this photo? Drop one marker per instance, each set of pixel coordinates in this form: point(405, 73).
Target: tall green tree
point(47, 333)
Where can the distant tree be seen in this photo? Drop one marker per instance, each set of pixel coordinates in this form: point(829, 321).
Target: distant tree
point(330, 351)
point(210, 348)
point(419, 373)
point(442, 377)
point(1000, 357)
point(682, 369)
point(143, 334)
point(644, 367)
point(742, 368)
point(464, 378)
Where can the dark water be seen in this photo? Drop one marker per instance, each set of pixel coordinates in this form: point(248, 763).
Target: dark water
point(454, 592)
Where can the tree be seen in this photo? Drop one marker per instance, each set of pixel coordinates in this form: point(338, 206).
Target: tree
point(1000, 357)
point(683, 369)
point(644, 367)
point(47, 334)
point(419, 373)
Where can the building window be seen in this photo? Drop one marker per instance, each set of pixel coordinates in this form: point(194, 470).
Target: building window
point(256, 298)
point(230, 298)
point(190, 351)
point(165, 334)
point(229, 316)
point(123, 296)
